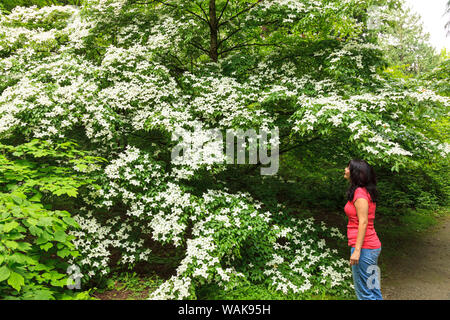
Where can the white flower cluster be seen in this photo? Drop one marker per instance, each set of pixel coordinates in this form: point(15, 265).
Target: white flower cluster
point(95, 241)
point(106, 8)
point(308, 259)
point(199, 253)
point(142, 94)
point(203, 252)
point(34, 15)
point(344, 112)
point(142, 185)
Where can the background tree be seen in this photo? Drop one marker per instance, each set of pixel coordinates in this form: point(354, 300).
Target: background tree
point(447, 25)
point(405, 45)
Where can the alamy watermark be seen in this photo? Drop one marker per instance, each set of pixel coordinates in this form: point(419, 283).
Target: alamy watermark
point(373, 282)
point(207, 147)
point(74, 280)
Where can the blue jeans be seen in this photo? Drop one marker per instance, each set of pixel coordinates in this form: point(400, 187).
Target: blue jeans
point(366, 275)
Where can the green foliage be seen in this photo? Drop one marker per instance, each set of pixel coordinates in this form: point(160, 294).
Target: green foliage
point(259, 292)
point(399, 71)
point(426, 187)
point(438, 78)
point(8, 5)
point(34, 241)
point(303, 185)
point(130, 285)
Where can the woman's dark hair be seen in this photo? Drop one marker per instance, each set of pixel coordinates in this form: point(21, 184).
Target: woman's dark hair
point(362, 175)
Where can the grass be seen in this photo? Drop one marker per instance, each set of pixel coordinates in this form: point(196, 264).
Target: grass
point(256, 292)
point(128, 286)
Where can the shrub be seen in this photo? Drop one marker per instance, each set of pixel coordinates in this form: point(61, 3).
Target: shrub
point(34, 239)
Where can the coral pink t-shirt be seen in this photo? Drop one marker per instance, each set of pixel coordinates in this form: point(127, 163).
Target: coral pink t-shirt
point(371, 240)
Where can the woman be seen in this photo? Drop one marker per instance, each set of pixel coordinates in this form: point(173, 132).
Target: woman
point(362, 238)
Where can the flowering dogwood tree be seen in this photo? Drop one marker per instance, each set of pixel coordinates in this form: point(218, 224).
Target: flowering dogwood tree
point(121, 76)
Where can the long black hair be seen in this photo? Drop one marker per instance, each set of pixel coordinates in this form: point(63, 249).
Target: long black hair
point(362, 175)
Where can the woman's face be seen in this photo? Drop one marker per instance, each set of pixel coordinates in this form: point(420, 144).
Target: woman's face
point(347, 173)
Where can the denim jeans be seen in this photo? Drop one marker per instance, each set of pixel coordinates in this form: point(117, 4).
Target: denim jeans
point(366, 275)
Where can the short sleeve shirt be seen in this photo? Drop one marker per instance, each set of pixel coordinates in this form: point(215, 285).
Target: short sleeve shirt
point(371, 240)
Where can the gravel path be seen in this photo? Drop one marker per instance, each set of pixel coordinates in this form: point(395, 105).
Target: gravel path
point(422, 272)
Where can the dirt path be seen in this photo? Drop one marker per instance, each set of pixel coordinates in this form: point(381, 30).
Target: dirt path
point(422, 272)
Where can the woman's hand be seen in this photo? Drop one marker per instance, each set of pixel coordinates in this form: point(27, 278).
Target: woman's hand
point(354, 259)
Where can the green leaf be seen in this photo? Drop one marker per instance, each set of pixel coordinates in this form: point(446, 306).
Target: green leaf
point(72, 192)
point(41, 267)
point(4, 273)
point(11, 186)
point(36, 198)
point(35, 231)
point(82, 167)
point(60, 236)
point(4, 215)
point(59, 192)
point(42, 295)
point(17, 199)
point(16, 281)
point(11, 244)
point(63, 253)
point(24, 246)
point(46, 246)
point(18, 258)
point(32, 221)
point(7, 227)
point(43, 238)
point(17, 153)
point(45, 221)
point(70, 221)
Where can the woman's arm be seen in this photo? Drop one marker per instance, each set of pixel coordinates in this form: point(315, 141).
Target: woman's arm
point(362, 211)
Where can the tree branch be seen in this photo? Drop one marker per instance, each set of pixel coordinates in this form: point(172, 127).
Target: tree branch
point(199, 47)
point(229, 36)
point(257, 165)
point(204, 12)
point(223, 10)
point(247, 44)
point(239, 29)
point(299, 145)
point(240, 12)
point(175, 6)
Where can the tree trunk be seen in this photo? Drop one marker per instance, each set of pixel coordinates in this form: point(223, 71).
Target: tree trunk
point(213, 54)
